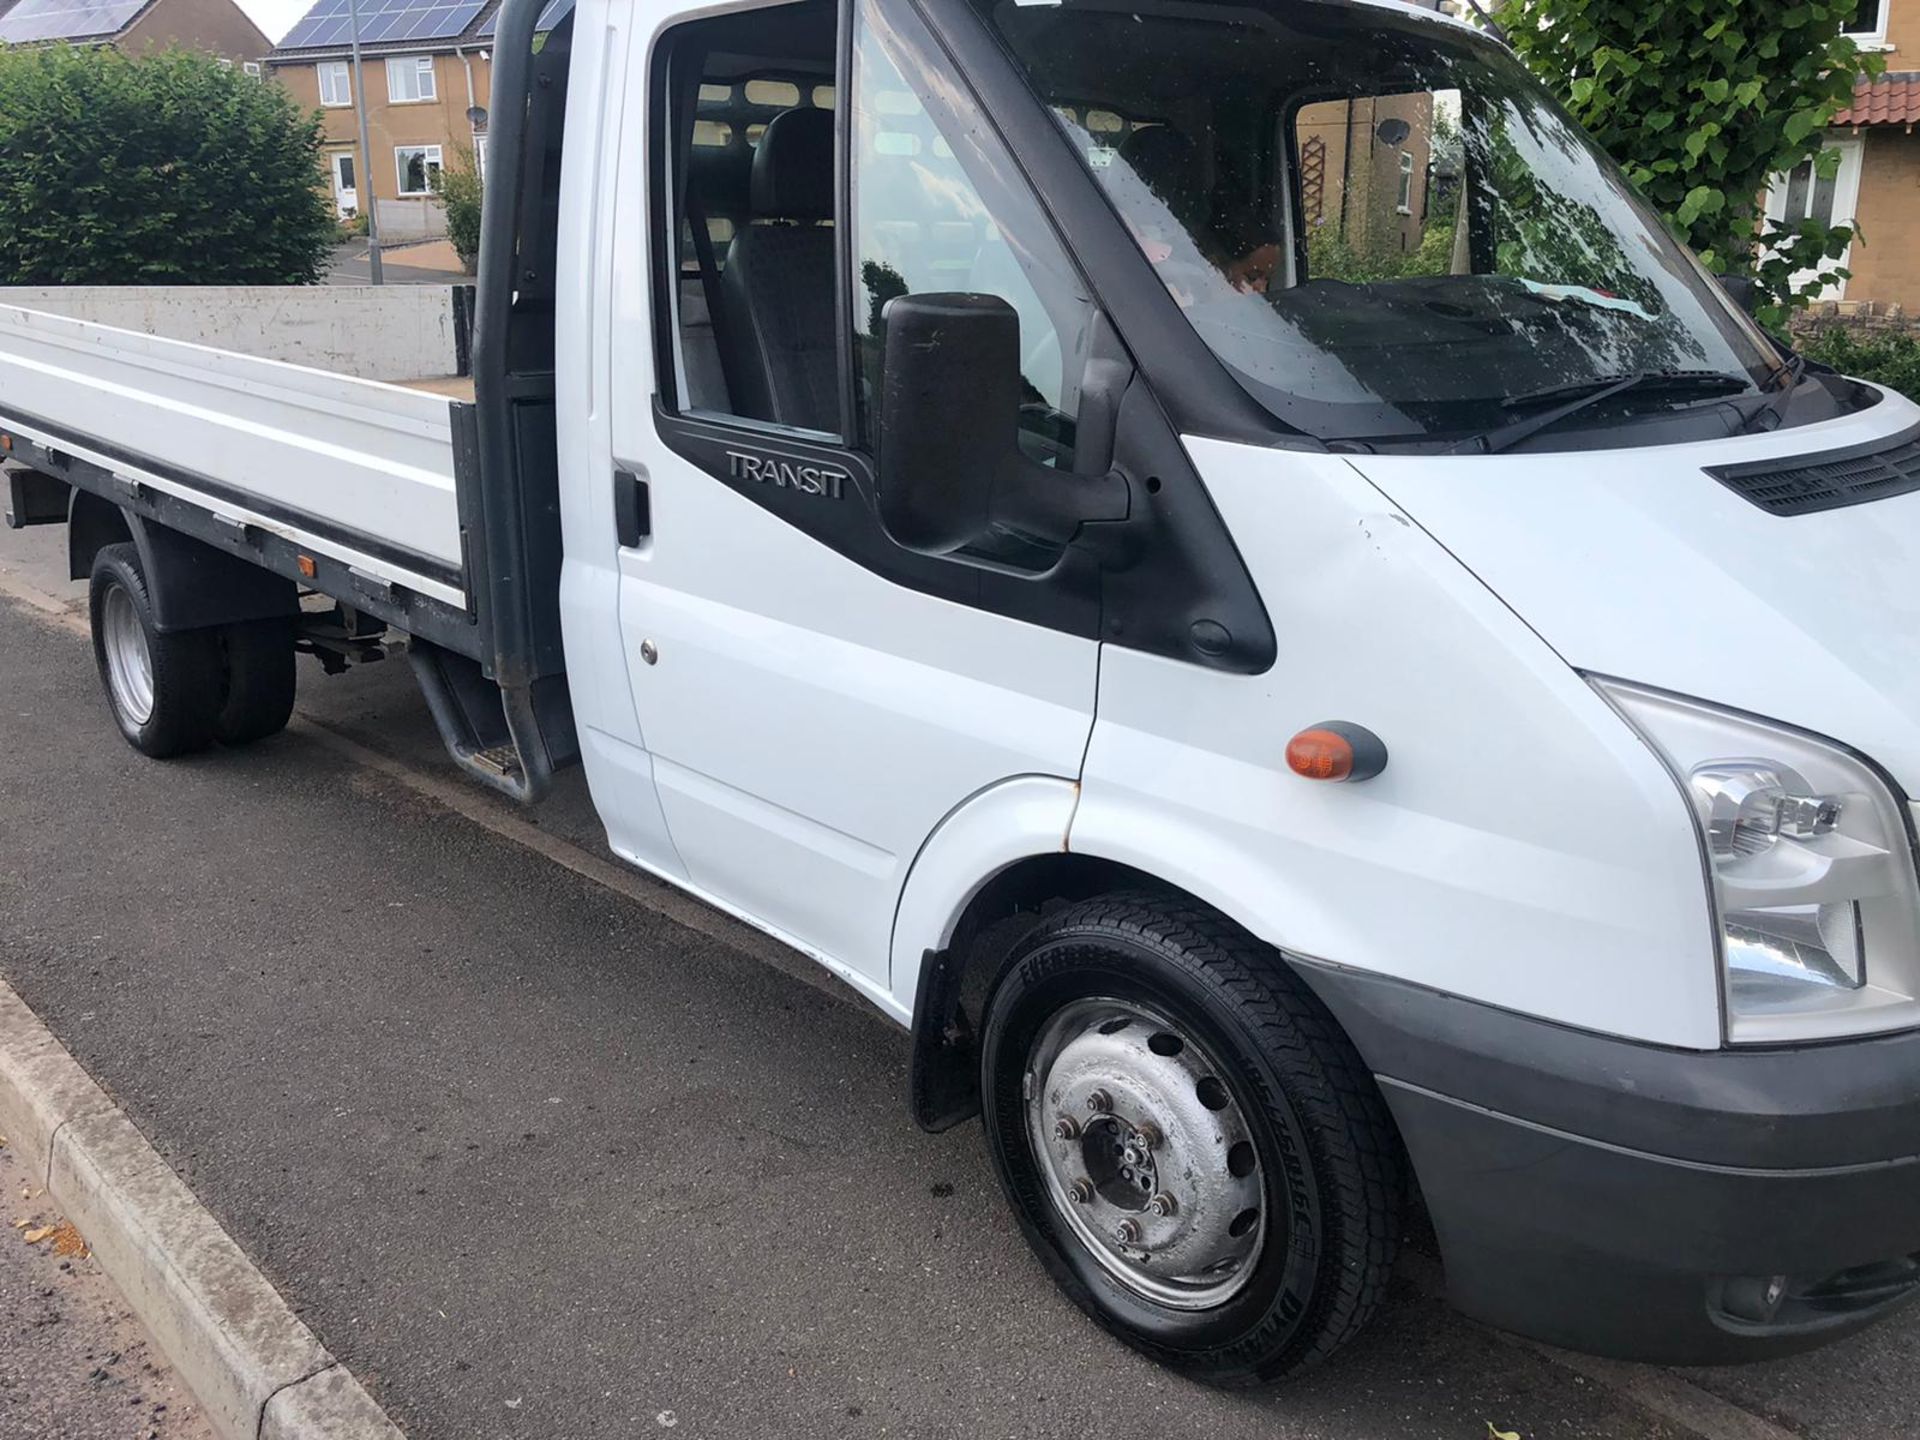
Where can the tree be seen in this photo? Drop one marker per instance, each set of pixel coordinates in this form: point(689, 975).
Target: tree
point(168, 169)
point(1703, 102)
point(463, 193)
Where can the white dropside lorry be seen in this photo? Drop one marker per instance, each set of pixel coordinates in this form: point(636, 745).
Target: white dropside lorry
point(1214, 560)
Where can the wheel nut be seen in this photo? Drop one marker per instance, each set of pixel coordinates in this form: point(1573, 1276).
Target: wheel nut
point(1147, 1137)
point(1066, 1128)
point(1081, 1191)
point(1099, 1102)
point(1128, 1232)
point(1163, 1205)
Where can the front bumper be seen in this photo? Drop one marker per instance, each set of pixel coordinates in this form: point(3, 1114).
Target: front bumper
point(1649, 1204)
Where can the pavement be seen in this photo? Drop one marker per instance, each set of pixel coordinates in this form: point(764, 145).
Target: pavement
point(539, 1148)
point(74, 1362)
point(424, 262)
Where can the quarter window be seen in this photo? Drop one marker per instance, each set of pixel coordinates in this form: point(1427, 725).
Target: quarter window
point(754, 140)
point(410, 78)
point(418, 167)
point(336, 83)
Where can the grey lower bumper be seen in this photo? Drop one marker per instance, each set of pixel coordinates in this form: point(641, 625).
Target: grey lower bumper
point(1650, 1204)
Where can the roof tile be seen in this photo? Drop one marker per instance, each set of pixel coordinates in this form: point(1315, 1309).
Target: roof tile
point(1890, 100)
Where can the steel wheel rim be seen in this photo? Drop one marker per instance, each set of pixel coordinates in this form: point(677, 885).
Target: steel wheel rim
point(129, 661)
point(1147, 1152)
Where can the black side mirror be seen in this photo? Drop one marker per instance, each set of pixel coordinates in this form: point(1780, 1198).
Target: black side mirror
point(1742, 290)
point(950, 465)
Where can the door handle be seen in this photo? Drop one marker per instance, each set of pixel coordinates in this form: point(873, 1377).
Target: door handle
point(632, 509)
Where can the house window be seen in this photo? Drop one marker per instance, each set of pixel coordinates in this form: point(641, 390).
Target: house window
point(417, 166)
point(251, 69)
point(336, 83)
point(1405, 203)
point(410, 78)
point(1869, 23)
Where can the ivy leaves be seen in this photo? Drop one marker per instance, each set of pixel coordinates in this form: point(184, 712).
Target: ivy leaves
point(1703, 102)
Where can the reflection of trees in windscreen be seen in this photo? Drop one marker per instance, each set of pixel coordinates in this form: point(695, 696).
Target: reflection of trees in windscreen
point(1543, 235)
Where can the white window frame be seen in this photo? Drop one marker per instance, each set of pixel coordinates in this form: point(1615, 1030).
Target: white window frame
point(252, 70)
point(417, 69)
point(342, 74)
point(1405, 205)
point(1876, 38)
point(434, 160)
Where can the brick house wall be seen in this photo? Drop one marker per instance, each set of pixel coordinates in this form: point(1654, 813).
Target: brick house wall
point(217, 27)
point(1885, 118)
point(441, 121)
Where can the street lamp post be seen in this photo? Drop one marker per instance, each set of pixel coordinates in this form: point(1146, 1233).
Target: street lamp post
point(366, 149)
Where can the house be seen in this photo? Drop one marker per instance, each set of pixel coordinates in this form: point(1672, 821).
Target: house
point(427, 65)
point(1877, 181)
point(218, 27)
point(1365, 168)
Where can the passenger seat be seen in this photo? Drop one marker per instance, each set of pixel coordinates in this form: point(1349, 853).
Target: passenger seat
point(778, 284)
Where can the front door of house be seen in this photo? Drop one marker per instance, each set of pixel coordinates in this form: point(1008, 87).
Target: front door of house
point(1824, 191)
point(346, 192)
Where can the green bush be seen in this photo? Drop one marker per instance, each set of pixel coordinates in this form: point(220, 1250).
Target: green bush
point(461, 190)
point(1888, 357)
point(162, 170)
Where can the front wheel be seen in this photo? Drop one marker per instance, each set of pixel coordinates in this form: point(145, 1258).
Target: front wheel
point(1193, 1148)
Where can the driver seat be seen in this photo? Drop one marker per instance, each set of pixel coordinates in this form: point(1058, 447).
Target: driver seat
point(778, 284)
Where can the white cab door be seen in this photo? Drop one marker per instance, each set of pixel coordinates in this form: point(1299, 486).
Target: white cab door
point(814, 700)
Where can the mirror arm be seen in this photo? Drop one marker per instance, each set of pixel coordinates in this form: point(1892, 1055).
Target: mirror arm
point(1052, 505)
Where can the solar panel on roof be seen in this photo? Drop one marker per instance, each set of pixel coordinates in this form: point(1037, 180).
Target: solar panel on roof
point(65, 19)
point(549, 17)
point(381, 21)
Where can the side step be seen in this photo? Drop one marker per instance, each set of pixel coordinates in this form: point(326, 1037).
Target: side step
point(512, 738)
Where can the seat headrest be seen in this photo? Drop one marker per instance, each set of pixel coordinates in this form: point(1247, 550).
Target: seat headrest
point(793, 167)
point(1169, 165)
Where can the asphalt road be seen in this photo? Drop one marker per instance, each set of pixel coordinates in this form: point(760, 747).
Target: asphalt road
point(536, 1160)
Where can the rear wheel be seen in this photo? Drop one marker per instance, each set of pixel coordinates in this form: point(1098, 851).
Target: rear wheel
point(164, 690)
point(258, 696)
point(1193, 1148)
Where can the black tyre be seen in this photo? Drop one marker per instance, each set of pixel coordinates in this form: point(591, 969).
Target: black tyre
point(1192, 1146)
point(258, 660)
point(164, 690)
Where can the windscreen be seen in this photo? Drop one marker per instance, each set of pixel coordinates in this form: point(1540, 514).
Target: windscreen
point(1378, 221)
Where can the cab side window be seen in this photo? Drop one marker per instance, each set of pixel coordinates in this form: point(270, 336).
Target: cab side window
point(753, 101)
point(937, 208)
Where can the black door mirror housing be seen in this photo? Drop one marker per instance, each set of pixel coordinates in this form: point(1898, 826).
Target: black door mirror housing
point(1742, 290)
point(950, 465)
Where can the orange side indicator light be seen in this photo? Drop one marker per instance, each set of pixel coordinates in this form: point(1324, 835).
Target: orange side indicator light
point(307, 567)
point(1336, 750)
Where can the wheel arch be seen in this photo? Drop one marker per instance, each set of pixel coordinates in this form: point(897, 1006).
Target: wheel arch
point(980, 883)
point(192, 585)
point(92, 525)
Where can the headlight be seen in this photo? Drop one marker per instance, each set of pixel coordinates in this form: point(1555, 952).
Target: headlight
point(1810, 857)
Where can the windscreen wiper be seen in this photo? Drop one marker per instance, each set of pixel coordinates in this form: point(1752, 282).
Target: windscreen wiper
point(1784, 380)
point(1585, 394)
